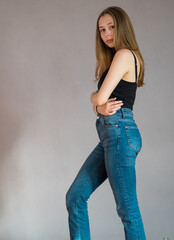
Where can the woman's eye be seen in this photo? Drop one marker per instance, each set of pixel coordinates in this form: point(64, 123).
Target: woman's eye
point(102, 30)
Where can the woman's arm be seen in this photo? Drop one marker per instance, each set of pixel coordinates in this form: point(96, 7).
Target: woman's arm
point(119, 67)
point(108, 108)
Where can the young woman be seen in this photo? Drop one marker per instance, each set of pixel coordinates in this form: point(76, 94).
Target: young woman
point(119, 69)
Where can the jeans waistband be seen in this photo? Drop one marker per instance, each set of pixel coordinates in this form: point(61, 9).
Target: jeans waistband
point(121, 113)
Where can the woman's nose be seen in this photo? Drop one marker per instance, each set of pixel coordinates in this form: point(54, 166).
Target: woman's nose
point(107, 33)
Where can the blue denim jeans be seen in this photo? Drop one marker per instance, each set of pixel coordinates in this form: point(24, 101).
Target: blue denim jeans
point(114, 158)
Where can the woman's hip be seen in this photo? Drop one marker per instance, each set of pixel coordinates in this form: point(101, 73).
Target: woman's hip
point(120, 131)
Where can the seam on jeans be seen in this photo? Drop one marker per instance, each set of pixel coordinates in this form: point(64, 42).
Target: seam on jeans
point(90, 177)
point(122, 183)
point(128, 203)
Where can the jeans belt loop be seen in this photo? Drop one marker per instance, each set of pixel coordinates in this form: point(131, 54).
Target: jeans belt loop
point(122, 111)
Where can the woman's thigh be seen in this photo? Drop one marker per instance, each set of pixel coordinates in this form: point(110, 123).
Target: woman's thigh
point(122, 144)
point(90, 176)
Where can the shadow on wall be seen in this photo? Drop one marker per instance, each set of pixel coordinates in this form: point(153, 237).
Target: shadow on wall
point(14, 116)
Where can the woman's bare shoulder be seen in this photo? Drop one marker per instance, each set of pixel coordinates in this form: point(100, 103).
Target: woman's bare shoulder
point(124, 52)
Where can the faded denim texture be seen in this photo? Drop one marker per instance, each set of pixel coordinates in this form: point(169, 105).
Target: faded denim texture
point(114, 158)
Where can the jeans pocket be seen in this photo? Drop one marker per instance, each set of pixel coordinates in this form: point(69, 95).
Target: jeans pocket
point(134, 138)
point(110, 122)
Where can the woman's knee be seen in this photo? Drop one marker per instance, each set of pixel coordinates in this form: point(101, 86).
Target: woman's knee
point(75, 200)
point(68, 199)
point(71, 199)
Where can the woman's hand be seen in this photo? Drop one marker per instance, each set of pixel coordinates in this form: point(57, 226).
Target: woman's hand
point(110, 107)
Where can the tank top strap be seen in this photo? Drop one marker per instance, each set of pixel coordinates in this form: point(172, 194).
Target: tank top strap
point(135, 65)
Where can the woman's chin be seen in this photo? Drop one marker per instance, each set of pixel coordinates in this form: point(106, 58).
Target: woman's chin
point(110, 45)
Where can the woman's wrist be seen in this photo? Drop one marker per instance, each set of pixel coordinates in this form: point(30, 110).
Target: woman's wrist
point(96, 108)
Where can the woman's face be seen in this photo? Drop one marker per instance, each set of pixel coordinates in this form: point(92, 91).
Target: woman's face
point(107, 29)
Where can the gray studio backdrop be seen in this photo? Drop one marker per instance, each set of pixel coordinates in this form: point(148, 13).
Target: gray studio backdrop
point(47, 125)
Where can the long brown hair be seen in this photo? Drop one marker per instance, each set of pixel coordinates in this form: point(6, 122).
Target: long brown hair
point(124, 37)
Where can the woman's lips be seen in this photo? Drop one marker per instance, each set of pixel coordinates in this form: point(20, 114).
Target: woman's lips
point(110, 40)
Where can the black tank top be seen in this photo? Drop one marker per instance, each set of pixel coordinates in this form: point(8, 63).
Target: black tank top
point(125, 91)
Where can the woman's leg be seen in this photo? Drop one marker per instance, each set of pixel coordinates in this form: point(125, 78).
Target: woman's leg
point(90, 176)
point(121, 146)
